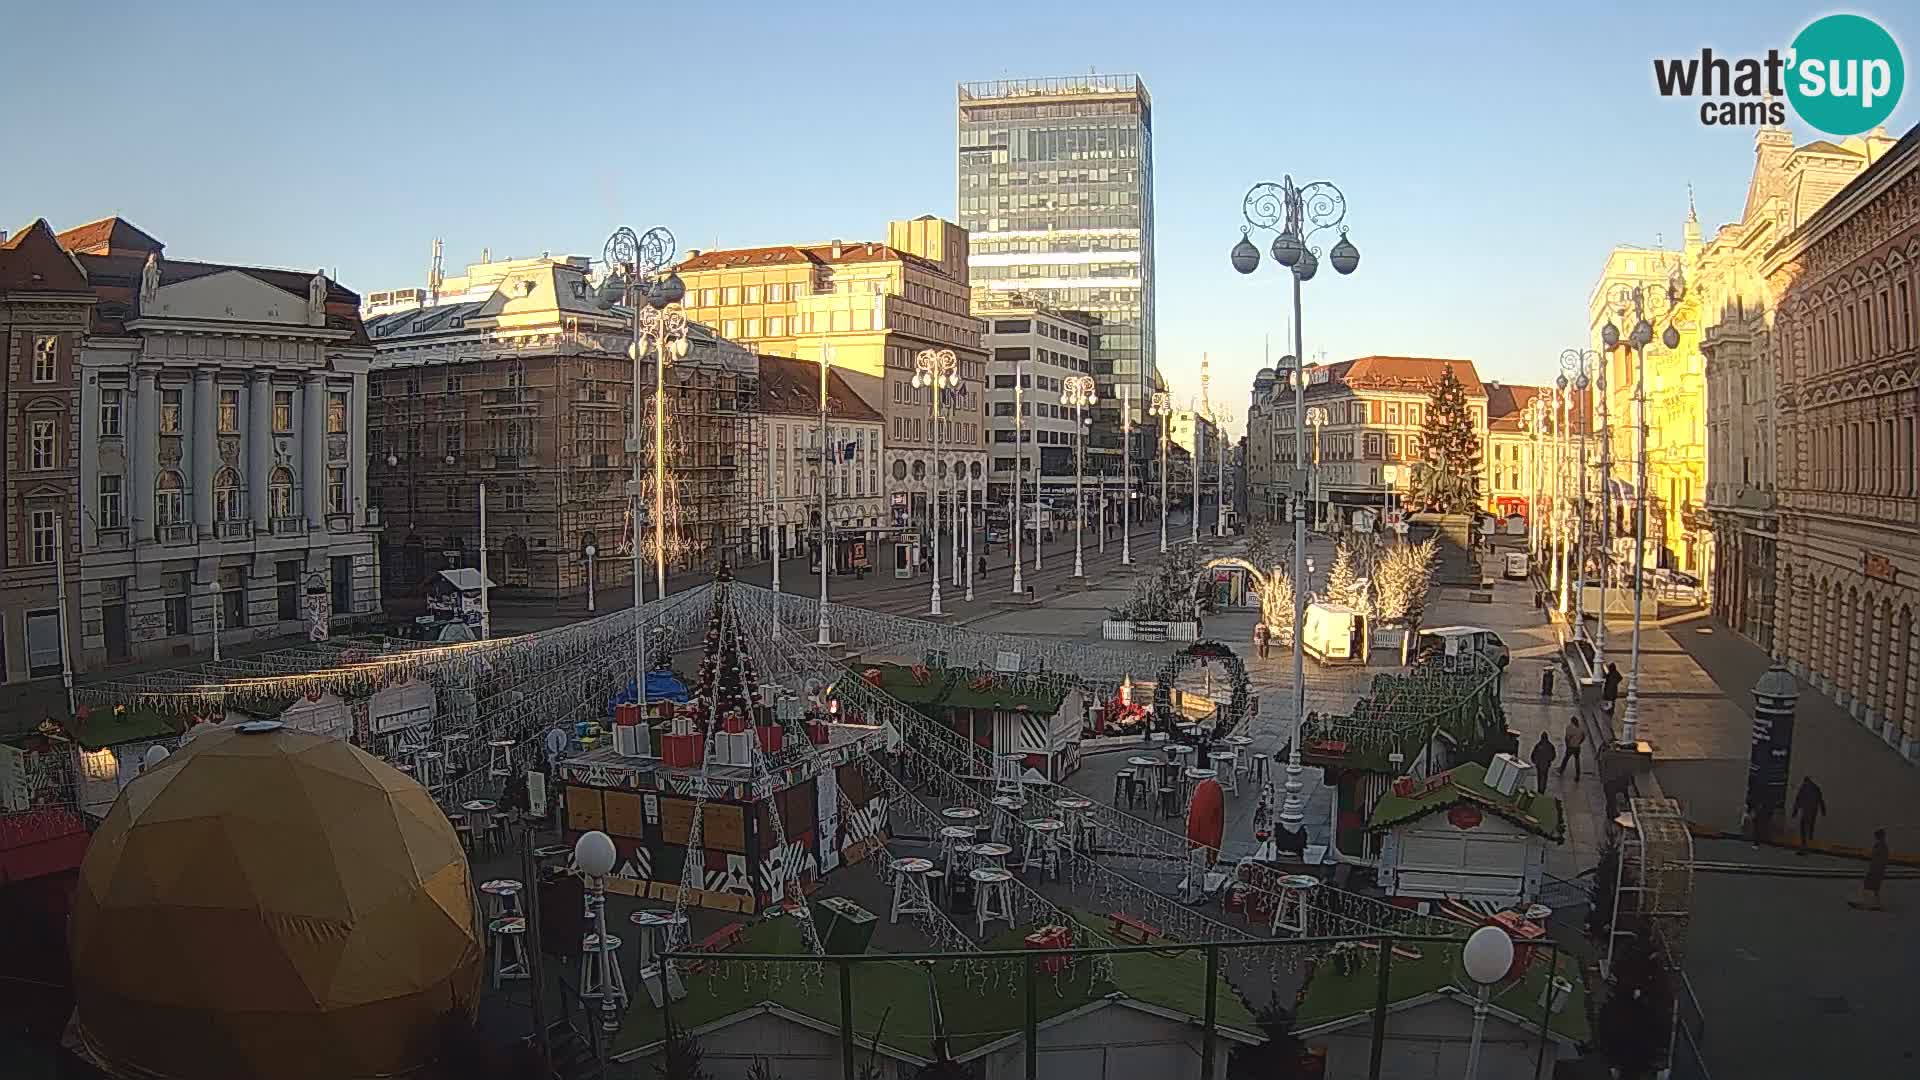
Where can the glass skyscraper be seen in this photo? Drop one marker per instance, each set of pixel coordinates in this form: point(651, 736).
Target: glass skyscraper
point(1055, 183)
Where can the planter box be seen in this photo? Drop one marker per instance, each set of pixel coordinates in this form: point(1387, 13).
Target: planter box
point(1122, 630)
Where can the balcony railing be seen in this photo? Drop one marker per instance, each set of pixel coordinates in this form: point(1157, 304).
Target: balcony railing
point(175, 534)
point(233, 530)
point(289, 526)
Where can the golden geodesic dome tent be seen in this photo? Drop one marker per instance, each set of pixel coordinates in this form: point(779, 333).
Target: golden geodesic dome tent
point(269, 903)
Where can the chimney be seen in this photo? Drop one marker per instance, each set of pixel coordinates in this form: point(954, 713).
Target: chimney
point(836, 249)
point(3, 236)
point(693, 253)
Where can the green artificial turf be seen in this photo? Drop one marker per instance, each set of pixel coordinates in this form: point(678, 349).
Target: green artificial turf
point(1332, 995)
point(891, 997)
point(952, 688)
point(103, 726)
point(1469, 786)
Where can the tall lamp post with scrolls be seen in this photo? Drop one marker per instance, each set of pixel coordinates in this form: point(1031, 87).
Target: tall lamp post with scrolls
point(1077, 393)
point(938, 371)
point(1577, 366)
point(1647, 308)
point(657, 319)
point(1162, 413)
point(1297, 214)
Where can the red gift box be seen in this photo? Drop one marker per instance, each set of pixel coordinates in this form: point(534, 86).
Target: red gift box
point(733, 723)
point(772, 737)
point(626, 715)
point(1051, 937)
point(680, 751)
point(817, 732)
point(1403, 786)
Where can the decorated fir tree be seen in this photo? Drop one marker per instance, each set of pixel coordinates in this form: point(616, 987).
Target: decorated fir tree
point(1447, 476)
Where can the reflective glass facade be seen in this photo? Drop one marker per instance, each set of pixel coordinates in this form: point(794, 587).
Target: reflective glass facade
point(1055, 185)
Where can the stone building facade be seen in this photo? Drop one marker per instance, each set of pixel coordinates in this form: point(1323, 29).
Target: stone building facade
point(1844, 344)
point(222, 457)
point(1789, 184)
point(45, 307)
point(516, 375)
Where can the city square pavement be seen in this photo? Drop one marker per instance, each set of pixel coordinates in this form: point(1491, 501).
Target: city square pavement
point(1793, 982)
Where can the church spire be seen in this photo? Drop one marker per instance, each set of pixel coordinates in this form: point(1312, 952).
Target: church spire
point(1691, 242)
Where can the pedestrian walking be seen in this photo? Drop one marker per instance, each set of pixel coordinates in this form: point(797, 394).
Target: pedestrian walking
point(1261, 637)
point(1808, 805)
point(1575, 735)
point(1609, 689)
point(1542, 757)
point(983, 566)
point(1876, 875)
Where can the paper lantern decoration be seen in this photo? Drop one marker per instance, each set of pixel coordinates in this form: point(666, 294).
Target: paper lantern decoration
point(272, 903)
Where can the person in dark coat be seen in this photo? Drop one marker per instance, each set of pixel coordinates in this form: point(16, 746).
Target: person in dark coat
point(1542, 757)
point(1876, 875)
point(1808, 805)
point(1610, 688)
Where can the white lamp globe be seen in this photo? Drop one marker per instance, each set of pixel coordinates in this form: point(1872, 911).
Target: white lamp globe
point(593, 853)
point(1487, 957)
point(155, 755)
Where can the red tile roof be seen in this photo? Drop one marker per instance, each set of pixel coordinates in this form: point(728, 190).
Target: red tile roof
point(109, 236)
point(1506, 404)
point(32, 261)
point(1408, 373)
point(790, 387)
point(784, 254)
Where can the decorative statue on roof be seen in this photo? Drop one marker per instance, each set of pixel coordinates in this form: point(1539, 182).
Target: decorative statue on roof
point(150, 279)
point(317, 299)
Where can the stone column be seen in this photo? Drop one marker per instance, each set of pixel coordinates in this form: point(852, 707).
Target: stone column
point(205, 461)
point(1908, 727)
point(313, 450)
point(357, 463)
point(259, 450)
point(143, 451)
point(1874, 667)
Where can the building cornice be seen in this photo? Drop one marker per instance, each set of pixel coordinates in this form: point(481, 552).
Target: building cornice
point(237, 329)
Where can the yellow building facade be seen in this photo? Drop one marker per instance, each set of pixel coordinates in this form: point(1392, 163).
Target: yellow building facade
point(1679, 534)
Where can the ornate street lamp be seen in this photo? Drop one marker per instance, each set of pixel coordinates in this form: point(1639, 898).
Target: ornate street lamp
point(936, 370)
point(1577, 365)
point(1297, 215)
point(1162, 411)
point(1077, 392)
point(1660, 305)
point(654, 301)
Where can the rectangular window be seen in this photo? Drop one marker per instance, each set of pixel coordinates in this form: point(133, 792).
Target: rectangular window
point(753, 294)
point(46, 358)
point(233, 597)
point(112, 503)
point(43, 643)
point(776, 293)
point(41, 450)
point(342, 566)
point(753, 328)
point(169, 412)
point(229, 412)
point(42, 530)
point(336, 413)
point(732, 295)
point(730, 328)
point(776, 326)
point(282, 412)
point(177, 588)
point(336, 491)
point(110, 403)
point(709, 297)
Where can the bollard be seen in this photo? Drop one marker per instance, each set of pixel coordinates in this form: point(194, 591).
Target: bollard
point(1546, 682)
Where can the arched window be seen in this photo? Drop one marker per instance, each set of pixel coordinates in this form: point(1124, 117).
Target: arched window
point(228, 503)
point(170, 506)
point(280, 492)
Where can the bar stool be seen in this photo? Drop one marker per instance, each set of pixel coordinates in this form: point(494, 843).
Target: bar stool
point(992, 854)
point(1010, 807)
point(1169, 800)
point(992, 897)
point(1290, 914)
point(500, 757)
point(601, 978)
point(506, 896)
point(1259, 770)
point(953, 840)
point(910, 887)
point(1226, 767)
point(1042, 840)
point(938, 890)
point(656, 927)
point(427, 768)
point(454, 744)
point(1071, 809)
point(465, 832)
point(509, 948)
point(1122, 786)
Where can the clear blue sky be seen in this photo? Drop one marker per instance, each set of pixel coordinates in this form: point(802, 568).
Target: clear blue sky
point(1490, 154)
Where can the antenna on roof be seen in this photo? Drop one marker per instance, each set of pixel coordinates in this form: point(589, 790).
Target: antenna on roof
point(434, 276)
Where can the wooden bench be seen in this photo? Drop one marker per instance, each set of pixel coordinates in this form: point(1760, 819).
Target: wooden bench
point(1128, 928)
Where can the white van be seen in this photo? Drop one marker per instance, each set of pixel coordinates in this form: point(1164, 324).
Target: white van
point(1516, 566)
point(1459, 641)
point(1335, 634)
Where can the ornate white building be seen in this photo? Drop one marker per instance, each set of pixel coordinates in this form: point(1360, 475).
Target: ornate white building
point(223, 459)
point(1845, 338)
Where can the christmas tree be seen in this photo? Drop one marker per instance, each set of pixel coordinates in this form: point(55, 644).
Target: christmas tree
point(1447, 477)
